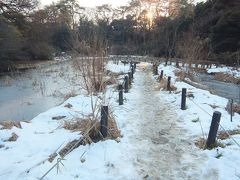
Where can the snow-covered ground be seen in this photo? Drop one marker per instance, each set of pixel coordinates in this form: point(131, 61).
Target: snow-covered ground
point(197, 119)
point(227, 70)
point(157, 137)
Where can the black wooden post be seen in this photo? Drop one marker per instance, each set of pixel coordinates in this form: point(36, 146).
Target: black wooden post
point(213, 129)
point(169, 83)
point(104, 121)
point(132, 72)
point(161, 75)
point(131, 65)
point(135, 66)
point(184, 95)
point(156, 70)
point(231, 109)
point(130, 78)
point(153, 68)
point(126, 79)
point(120, 88)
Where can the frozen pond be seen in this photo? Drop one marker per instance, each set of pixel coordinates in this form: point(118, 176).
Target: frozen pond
point(26, 94)
point(227, 90)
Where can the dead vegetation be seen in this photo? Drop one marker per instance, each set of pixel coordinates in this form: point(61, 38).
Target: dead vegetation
point(226, 134)
point(228, 78)
point(109, 81)
point(92, 71)
point(69, 95)
point(222, 135)
point(52, 157)
point(163, 86)
point(235, 108)
point(180, 74)
point(201, 143)
point(115, 74)
point(90, 131)
point(10, 124)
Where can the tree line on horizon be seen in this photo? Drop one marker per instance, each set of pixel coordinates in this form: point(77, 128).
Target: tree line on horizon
point(162, 28)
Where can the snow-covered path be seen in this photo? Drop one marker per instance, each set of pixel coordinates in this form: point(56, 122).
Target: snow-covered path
point(155, 145)
point(161, 148)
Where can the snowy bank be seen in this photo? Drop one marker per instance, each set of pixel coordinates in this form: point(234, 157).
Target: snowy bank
point(227, 70)
point(197, 119)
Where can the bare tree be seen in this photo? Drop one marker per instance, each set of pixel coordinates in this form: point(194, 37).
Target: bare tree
point(191, 48)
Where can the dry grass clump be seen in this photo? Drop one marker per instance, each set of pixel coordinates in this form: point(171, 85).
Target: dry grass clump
point(235, 108)
point(90, 129)
point(182, 75)
point(163, 86)
point(226, 134)
point(83, 126)
point(226, 78)
point(10, 124)
point(201, 143)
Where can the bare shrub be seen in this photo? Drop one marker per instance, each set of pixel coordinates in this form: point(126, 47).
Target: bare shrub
point(192, 48)
point(92, 71)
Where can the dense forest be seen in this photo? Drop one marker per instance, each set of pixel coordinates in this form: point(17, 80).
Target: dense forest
point(163, 28)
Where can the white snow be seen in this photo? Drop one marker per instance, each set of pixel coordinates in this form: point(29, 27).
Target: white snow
point(199, 108)
point(158, 138)
point(228, 70)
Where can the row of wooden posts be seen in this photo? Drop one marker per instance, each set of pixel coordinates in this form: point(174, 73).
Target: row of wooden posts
point(126, 84)
point(155, 72)
point(128, 79)
point(212, 135)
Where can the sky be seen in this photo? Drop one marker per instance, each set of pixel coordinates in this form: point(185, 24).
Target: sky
point(91, 3)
